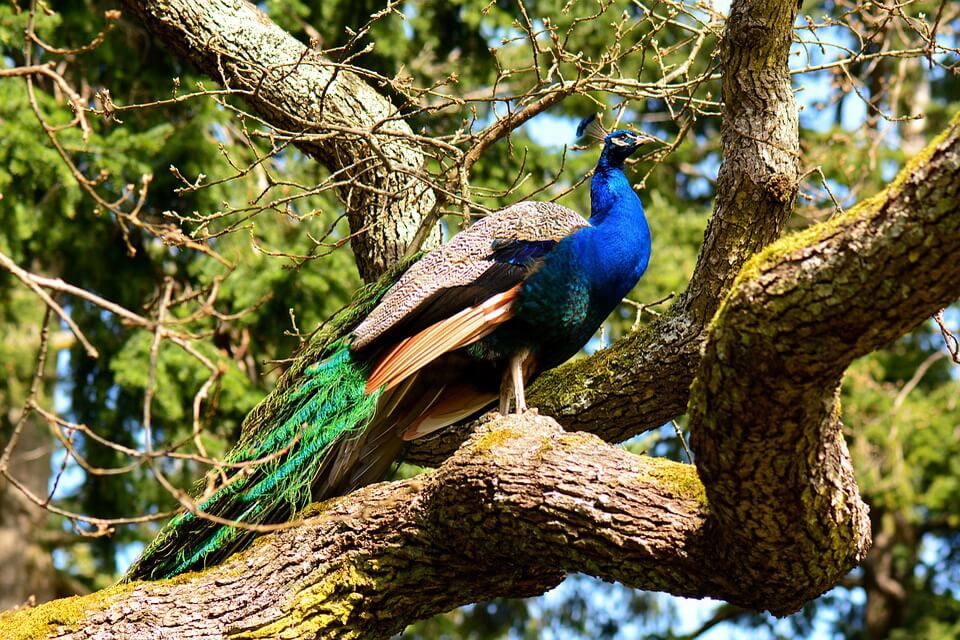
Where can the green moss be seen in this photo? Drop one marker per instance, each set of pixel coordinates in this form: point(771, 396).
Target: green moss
point(65, 613)
point(318, 508)
point(918, 160)
point(558, 390)
point(331, 602)
point(678, 480)
point(774, 252)
point(495, 438)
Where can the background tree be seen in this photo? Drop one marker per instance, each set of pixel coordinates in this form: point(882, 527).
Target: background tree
point(224, 263)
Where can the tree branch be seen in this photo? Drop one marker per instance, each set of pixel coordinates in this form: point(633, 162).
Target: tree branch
point(799, 314)
point(642, 381)
point(297, 90)
point(521, 504)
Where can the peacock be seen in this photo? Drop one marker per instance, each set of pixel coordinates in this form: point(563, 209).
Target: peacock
point(474, 321)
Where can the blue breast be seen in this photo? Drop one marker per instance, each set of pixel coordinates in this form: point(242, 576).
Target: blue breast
point(583, 278)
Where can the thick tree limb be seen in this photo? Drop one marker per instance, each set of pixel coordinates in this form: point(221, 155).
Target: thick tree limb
point(799, 314)
point(297, 90)
point(642, 382)
point(510, 513)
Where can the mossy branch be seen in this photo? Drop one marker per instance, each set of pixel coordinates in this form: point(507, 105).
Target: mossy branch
point(764, 408)
point(519, 506)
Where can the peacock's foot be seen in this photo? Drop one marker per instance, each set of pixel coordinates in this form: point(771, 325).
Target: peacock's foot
point(526, 411)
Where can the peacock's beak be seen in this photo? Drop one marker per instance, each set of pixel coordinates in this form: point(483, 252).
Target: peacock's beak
point(640, 139)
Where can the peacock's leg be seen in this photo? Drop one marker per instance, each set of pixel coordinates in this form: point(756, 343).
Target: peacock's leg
point(514, 379)
point(518, 373)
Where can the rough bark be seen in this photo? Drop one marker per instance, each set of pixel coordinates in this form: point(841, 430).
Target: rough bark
point(776, 521)
point(799, 314)
point(511, 512)
point(640, 382)
point(356, 130)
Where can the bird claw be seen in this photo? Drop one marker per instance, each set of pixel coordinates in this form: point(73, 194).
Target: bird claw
point(527, 411)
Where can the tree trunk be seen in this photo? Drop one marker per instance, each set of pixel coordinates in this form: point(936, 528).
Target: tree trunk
point(887, 572)
point(28, 574)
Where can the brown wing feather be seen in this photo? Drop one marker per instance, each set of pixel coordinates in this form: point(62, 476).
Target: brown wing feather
point(413, 409)
point(464, 261)
point(458, 401)
point(413, 353)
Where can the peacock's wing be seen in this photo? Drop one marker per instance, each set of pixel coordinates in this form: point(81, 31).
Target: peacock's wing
point(489, 258)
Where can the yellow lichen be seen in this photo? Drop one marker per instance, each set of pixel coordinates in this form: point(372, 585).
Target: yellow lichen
point(676, 479)
point(66, 613)
point(331, 601)
point(546, 446)
point(495, 438)
point(918, 160)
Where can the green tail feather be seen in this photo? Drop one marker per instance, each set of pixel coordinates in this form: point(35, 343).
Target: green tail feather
point(329, 402)
point(289, 432)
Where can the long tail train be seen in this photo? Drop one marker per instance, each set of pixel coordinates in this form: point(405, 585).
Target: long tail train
point(271, 473)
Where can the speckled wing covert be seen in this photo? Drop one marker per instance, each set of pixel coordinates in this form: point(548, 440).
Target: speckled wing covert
point(465, 271)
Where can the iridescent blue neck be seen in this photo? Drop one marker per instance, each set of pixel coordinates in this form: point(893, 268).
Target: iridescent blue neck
point(611, 193)
point(612, 158)
point(620, 242)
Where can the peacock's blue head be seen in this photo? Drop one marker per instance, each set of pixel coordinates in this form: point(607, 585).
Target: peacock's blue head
point(620, 145)
point(617, 146)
